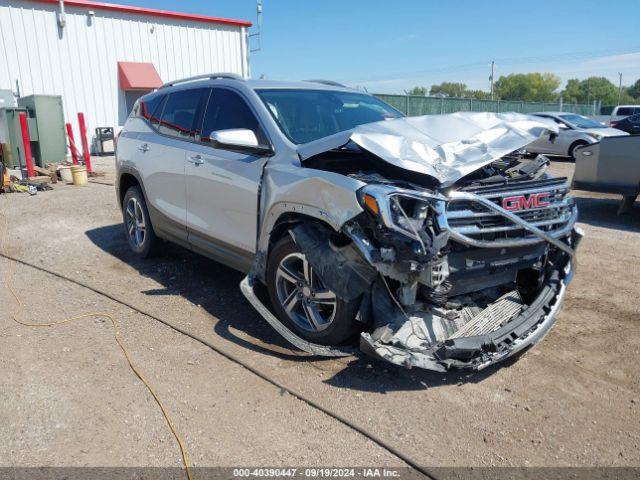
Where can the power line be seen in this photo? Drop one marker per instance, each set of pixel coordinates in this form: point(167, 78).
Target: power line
point(583, 55)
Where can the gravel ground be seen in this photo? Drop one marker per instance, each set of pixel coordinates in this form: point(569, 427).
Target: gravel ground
point(69, 399)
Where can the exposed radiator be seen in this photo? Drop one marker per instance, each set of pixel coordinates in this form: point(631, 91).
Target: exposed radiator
point(490, 319)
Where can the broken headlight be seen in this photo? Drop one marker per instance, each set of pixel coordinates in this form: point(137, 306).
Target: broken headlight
point(404, 211)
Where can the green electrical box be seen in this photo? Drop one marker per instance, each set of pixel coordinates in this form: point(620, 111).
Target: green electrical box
point(50, 142)
point(11, 137)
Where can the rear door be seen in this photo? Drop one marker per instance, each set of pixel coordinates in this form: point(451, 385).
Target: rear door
point(222, 184)
point(163, 152)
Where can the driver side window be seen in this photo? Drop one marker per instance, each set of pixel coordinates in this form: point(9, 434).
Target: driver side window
point(227, 110)
point(560, 123)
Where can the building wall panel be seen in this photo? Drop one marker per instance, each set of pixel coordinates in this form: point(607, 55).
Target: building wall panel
point(79, 62)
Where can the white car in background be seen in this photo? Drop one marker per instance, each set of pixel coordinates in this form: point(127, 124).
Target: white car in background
point(575, 131)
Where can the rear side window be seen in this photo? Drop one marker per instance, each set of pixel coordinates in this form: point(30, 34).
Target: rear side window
point(228, 110)
point(180, 111)
point(150, 108)
point(625, 111)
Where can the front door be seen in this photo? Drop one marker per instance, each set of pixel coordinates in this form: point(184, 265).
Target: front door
point(560, 143)
point(222, 185)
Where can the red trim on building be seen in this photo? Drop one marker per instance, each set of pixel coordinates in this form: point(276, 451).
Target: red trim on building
point(149, 11)
point(138, 76)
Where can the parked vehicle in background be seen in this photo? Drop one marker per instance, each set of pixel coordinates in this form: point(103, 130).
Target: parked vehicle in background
point(630, 124)
point(575, 131)
point(623, 111)
point(615, 114)
point(424, 236)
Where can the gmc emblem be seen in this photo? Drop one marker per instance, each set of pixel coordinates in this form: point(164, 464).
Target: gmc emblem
point(525, 202)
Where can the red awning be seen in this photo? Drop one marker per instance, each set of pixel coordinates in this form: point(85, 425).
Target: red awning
point(138, 76)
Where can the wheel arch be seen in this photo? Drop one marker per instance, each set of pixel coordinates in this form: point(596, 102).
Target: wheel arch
point(125, 182)
point(580, 142)
point(286, 218)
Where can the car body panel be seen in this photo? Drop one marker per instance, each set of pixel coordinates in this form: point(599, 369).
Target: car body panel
point(611, 165)
point(222, 195)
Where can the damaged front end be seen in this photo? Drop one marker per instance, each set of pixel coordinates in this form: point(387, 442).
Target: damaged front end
point(451, 280)
point(477, 283)
point(453, 266)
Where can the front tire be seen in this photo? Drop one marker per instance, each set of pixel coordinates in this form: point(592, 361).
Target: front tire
point(303, 303)
point(137, 223)
point(572, 148)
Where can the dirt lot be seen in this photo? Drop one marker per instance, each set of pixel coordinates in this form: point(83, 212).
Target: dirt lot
point(69, 399)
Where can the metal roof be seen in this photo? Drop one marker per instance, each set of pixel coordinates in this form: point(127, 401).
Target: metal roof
point(149, 11)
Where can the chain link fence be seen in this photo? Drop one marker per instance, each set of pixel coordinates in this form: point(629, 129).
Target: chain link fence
point(414, 105)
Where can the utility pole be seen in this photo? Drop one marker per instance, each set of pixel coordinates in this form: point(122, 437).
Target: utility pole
point(258, 29)
point(620, 88)
point(491, 77)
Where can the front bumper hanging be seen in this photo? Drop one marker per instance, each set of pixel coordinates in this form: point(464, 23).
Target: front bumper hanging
point(474, 352)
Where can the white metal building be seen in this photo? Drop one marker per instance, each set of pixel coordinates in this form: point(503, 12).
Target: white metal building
point(101, 57)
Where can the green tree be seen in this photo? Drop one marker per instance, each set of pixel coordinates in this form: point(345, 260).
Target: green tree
point(449, 89)
point(478, 94)
point(419, 91)
point(590, 89)
point(634, 90)
point(529, 87)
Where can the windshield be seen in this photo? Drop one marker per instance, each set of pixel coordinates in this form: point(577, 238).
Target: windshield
point(581, 122)
point(307, 115)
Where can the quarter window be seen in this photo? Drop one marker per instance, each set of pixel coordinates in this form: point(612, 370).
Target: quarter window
point(180, 111)
point(228, 110)
point(150, 108)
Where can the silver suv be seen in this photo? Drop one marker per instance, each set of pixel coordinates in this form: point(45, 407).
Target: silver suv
point(426, 237)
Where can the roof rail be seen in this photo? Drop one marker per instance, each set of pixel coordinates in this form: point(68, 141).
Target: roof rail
point(207, 76)
point(327, 82)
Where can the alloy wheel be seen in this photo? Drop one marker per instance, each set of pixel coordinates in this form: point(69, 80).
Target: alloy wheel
point(136, 226)
point(303, 296)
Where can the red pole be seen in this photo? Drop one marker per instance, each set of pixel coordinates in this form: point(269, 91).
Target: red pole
point(26, 141)
point(85, 144)
point(72, 144)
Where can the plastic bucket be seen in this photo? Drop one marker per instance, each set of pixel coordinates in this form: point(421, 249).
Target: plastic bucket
point(79, 175)
point(65, 174)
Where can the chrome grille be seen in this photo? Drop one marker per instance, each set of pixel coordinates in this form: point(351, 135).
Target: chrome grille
point(478, 222)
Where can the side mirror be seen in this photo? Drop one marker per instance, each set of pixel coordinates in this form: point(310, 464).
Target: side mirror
point(241, 139)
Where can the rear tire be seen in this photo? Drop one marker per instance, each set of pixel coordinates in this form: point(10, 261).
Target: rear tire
point(574, 145)
point(137, 224)
point(303, 303)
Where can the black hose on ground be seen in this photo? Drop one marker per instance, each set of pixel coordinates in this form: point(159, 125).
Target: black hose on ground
point(102, 183)
point(234, 358)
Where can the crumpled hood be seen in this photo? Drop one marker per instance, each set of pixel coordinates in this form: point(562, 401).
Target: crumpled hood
point(446, 147)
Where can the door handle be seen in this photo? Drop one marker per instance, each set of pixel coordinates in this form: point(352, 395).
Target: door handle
point(196, 160)
point(144, 147)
